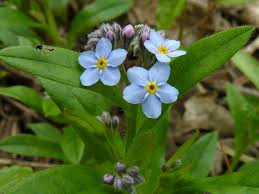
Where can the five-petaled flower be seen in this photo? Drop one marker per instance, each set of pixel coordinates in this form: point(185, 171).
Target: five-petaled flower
point(102, 64)
point(164, 49)
point(150, 88)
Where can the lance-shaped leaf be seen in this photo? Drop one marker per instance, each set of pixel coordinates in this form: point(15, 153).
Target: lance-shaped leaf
point(201, 155)
point(245, 117)
point(207, 55)
point(24, 94)
point(66, 180)
point(46, 132)
point(248, 65)
point(59, 72)
point(29, 145)
point(10, 176)
point(72, 145)
point(246, 181)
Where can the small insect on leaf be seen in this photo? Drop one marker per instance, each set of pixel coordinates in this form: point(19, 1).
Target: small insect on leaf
point(41, 47)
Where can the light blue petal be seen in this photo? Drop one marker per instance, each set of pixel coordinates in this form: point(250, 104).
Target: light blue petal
point(137, 75)
point(150, 46)
point(156, 38)
point(134, 93)
point(159, 73)
point(117, 57)
point(167, 93)
point(172, 45)
point(103, 47)
point(163, 58)
point(89, 76)
point(176, 53)
point(110, 76)
point(152, 106)
point(87, 59)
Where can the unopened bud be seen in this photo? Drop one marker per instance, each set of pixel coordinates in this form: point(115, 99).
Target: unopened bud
point(117, 183)
point(128, 31)
point(108, 179)
point(127, 181)
point(133, 171)
point(120, 167)
point(110, 35)
point(138, 179)
point(144, 36)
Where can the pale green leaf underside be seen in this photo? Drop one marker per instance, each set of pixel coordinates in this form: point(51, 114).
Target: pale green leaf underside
point(248, 65)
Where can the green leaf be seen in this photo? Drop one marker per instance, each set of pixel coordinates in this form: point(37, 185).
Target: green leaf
point(176, 183)
point(11, 17)
point(30, 145)
point(235, 2)
point(154, 166)
point(10, 176)
point(243, 182)
point(248, 65)
point(24, 94)
point(168, 11)
point(49, 108)
point(78, 99)
point(72, 145)
point(59, 72)
point(96, 13)
point(201, 155)
point(66, 180)
point(207, 55)
point(46, 132)
point(140, 155)
point(245, 120)
point(183, 149)
point(92, 132)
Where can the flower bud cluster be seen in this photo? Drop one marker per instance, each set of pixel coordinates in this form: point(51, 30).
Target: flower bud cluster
point(108, 120)
point(120, 37)
point(125, 179)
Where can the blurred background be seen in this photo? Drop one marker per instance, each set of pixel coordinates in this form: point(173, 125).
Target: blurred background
point(206, 107)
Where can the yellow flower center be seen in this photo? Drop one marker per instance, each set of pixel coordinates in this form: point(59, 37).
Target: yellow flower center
point(151, 87)
point(163, 50)
point(102, 63)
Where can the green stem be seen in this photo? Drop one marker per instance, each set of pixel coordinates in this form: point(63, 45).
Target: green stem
point(113, 150)
point(51, 27)
point(131, 125)
point(124, 74)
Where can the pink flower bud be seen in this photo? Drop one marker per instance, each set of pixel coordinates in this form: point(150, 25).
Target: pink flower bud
point(108, 179)
point(128, 31)
point(110, 35)
point(144, 36)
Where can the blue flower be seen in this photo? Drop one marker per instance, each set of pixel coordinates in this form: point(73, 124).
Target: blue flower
point(102, 64)
point(164, 49)
point(150, 88)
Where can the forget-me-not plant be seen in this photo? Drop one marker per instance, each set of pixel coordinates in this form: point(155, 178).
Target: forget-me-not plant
point(164, 49)
point(102, 64)
point(150, 88)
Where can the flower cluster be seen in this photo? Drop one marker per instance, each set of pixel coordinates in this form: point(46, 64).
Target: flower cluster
point(125, 179)
point(107, 50)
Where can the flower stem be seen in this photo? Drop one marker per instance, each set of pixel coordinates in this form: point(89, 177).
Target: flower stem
point(51, 26)
point(131, 125)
